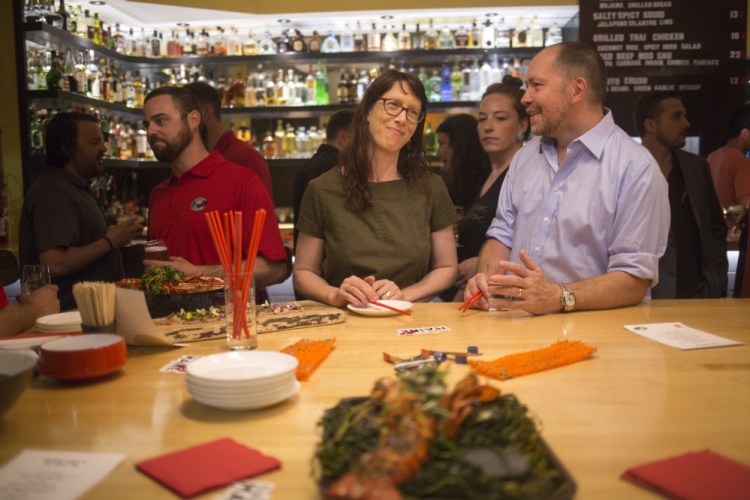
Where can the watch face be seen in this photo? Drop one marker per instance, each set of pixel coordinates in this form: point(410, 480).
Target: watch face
point(570, 300)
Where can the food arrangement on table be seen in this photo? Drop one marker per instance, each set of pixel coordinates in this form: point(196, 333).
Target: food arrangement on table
point(414, 437)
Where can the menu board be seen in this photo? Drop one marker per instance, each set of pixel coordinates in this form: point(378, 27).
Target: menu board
point(696, 49)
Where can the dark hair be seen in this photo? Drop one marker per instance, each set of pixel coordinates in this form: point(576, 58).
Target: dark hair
point(355, 158)
point(576, 59)
point(739, 120)
point(470, 165)
point(511, 86)
point(339, 121)
point(205, 94)
point(61, 137)
point(183, 100)
point(647, 108)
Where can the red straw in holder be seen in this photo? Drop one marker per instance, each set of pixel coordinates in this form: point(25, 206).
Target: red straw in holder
point(227, 238)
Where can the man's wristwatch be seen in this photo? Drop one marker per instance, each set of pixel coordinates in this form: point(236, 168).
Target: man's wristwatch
point(567, 299)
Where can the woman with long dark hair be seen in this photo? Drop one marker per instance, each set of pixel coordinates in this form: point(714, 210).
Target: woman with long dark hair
point(380, 225)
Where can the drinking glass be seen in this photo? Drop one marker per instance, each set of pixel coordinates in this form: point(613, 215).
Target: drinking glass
point(156, 250)
point(239, 311)
point(496, 299)
point(33, 277)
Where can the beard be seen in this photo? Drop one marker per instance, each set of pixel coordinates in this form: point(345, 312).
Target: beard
point(169, 151)
point(88, 169)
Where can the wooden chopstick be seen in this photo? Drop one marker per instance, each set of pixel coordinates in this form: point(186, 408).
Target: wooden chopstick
point(470, 301)
point(400, 311)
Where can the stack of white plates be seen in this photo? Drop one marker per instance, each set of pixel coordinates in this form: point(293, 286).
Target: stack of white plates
point(62, 322)
point(242, 380)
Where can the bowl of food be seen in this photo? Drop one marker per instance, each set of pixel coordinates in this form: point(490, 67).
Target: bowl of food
point(83, 357)
point(168, 291)
point(16, 371)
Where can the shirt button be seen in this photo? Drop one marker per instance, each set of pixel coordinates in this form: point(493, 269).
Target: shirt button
point(537, 249)
point(556, 189)
point(546, 219)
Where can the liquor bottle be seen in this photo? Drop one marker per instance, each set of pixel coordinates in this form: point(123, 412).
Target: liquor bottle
point(73, 14)
point(373, 39)
point(417, 39)
point(475, 36)
point(465, 91)
point(321, 85)
point(330, 44)
point(283, 44)
point(347, 39)
point(174, 48)
point(300, 142)
point(536, 34)
point(64, 16)
point(502, 35)
point(435, 84)
point(278, 137)
point(404, 39)
point(310, 86)
point(54, 74)
point(496, 72)
point(488, 35)
point(520, 34)
point(260, 86)
point(70, 70)
point(267, 45)
point(250, 96)
point(155, 45)
point(476, 92)
point(107, 40)
point(362, 83)
point(138, 90)
point(445, 39)
point(446, 90)
point(461, 38)
point(457, 80)
point(299, 96)
point(359, 39)
point(485, 75)
point(270, 94)
point(389, 42)
point(269, 145)
point(89, 26)
point(142, 46)
point(97, 29)
point(554, 35)
point(201, 43)
point(429, 140)
point(342, 93)
point(431, 38)
point(82, 25)
point(290, 142)
point(425, 79)
point(219, 45)
point(118, 39)
point(351, 86)
point(250, 46)
point(234, 47)
point(315, 43)
point(298, 42)
point(52, 17)
point(282, 89)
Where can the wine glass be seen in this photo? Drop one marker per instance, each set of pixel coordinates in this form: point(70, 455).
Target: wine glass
point(34, 277)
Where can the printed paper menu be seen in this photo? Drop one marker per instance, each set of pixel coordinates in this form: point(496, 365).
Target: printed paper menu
point(680, 336)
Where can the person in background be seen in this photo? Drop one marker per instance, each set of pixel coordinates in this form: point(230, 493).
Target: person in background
point(380, 226)
point(216, 137)
point(202, 182)
point(730, 170)
point(62, 224)
point(16, 318)
point(503, 127)
point(324, 159)
point(583, 214)
point(695, 262)
point(466, 165)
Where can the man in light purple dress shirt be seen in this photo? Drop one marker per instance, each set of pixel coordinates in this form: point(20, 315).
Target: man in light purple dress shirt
point(583, 214)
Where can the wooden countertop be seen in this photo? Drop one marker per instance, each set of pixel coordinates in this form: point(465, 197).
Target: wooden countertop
point(635, 402)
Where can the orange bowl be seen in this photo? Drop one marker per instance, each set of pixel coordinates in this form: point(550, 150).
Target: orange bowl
point(82, 357)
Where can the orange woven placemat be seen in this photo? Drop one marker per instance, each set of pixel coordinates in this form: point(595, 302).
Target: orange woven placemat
point(309, 353)
point(561, 353)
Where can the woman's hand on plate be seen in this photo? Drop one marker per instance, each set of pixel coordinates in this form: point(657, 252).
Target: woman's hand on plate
point(357, 291)
point(387, 290)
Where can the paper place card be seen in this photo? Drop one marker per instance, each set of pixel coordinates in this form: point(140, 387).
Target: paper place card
point(680, 336)
point(405, 332)
point(54, 475)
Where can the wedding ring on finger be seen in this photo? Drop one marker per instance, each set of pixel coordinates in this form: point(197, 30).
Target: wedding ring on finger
point(387, 294)
point(520, 293)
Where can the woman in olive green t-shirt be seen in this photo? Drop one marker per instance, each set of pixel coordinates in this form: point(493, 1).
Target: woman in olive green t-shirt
point(381, 225)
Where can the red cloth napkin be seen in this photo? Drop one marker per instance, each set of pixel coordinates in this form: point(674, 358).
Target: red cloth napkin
point(207, 466)
point(695, 475)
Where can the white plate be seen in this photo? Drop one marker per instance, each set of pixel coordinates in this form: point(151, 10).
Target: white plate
point(61, 322)
point(242, 365)
point(246, 404)
point(236, 386)
point(373, 310)
point(26, 342)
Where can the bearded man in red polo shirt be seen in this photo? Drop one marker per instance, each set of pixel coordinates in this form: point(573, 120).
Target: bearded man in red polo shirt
point(202, 182)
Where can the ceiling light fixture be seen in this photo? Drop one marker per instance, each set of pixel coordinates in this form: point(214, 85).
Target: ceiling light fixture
point(284, 21)
point(97, 2)
point(183, 25)
point(490, 14)
point(386, 17)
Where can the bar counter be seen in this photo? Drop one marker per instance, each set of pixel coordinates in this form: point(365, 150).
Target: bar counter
point(636, 401)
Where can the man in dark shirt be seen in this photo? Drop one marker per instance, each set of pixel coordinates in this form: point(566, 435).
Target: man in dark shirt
point(695, 262)
point(324, 159)
point(62, 223)
point(216, 137)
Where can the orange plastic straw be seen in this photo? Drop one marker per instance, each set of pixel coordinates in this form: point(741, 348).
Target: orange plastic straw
point(470, 301)
point(400, 311)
